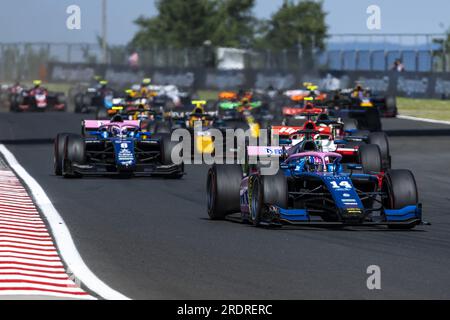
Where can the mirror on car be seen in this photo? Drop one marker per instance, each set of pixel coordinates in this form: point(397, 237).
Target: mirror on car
point(354, 166)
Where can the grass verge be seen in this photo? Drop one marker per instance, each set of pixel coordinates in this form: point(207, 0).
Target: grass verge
point(424, 108)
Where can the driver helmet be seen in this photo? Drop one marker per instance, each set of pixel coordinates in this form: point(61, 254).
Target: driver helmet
point(115, 131)
point(37, 83)
point(146, 82)
point(103, 84)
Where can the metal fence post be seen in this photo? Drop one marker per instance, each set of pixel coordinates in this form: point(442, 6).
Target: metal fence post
point(69, 53)
point(416, 60)
point(386, 61)
point(357, 59)
point(341, 60)
point(444, 56)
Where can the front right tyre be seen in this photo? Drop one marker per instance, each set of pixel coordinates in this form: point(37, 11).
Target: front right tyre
point(401, 189)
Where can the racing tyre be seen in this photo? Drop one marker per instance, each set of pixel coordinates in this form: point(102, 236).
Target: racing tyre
point(222, 188)
point(86, 100)
point(350, 124)
point(381, 140)
point(391, 107)
point(210, 106)
point(15, 101)
point(78, 101)
point(267, 190)
point(61, 99)
point(401, 188)
point(373, 119)
point(163, 128)
point(74, 152)
point(151, 127)
point(18, 99)
point(167, 147)
point(370, 158)
point(58, 153)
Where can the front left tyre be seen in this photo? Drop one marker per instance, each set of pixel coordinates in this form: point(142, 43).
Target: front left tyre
point(267, 190)
point(74, 153)
point(222, 189)
point(58, 153)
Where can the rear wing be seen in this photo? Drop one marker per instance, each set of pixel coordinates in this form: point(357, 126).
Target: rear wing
point(93, 125)
point(285, 130)
point(265, 152)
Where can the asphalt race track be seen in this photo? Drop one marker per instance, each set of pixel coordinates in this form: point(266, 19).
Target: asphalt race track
point(151, 239)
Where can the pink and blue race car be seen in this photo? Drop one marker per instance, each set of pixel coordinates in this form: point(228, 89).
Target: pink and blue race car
point(314, 188)
point(115, 147)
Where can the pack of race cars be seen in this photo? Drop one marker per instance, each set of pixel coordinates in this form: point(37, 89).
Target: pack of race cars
point(19, 98)
point(333, 159)
point(334, 169)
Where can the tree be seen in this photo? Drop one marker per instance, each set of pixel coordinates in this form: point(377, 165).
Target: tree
point(234, 23)
point(189, 23)
point(180, 23)
point(301, 23)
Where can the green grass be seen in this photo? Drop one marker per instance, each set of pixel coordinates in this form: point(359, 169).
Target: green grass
point(424, 108)
point(208, 94)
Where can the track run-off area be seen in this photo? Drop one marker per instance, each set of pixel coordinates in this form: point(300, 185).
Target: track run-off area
point(152, 239)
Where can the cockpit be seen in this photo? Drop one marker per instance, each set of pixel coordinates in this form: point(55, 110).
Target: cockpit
point(314, 162)
point(117, 131)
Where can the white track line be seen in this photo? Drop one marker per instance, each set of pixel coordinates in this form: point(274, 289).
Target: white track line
point(423, 120)
point(63, 238)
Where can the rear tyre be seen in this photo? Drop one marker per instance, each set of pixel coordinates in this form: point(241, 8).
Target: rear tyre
point(401, 188)
point(373, 119)
point(350, 124)
point(381, 140)
point(151, 127)
point(78, 101)
point(163, 128)
point(61, 99)
point(391, 106)
point(370, 158)
point(223, 185)
point(74, 152)
point(267, 190)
